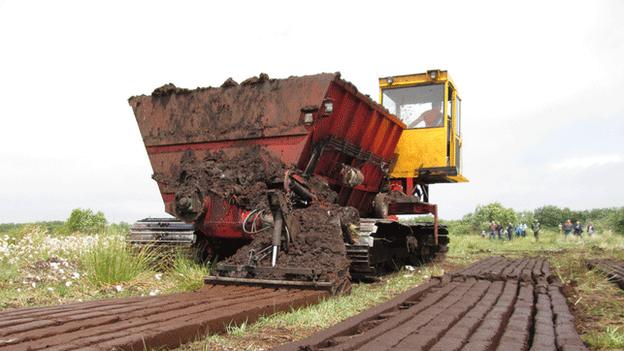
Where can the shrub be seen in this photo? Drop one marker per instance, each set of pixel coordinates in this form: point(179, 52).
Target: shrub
point(483, 215)
point(460, 227)
point(616, 221)
point(85, 221)
point(549, 216)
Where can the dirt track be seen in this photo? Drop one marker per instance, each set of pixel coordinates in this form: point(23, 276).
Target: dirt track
point(612, 268)
point(495, 304)
point(137, 323)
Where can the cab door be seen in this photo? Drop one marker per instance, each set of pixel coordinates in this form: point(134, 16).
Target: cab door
point(455, 140)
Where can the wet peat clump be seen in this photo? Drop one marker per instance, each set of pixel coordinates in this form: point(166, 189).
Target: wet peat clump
point(319, 245)
point(244, 178)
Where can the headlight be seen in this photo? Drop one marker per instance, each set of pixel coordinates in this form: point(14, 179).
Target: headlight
point(433, 74)
point(308, 118)
point(329, 107)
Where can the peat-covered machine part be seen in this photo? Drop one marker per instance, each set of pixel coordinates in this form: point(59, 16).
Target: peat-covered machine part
point(299, 181)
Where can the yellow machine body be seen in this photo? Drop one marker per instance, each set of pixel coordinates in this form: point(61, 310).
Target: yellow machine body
point(429, 150)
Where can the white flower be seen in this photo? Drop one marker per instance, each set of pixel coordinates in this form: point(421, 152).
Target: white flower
point(50, 289)
point(54, 265)
point(62, 271)
point(410, 268)
point(75, 275)
point(68, 284)
point(119, 288)
point(33, 284)
point(154, 292)
point(158, 276)
point(19, 290)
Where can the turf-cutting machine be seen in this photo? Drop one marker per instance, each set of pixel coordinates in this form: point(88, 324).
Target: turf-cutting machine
point(378, 159)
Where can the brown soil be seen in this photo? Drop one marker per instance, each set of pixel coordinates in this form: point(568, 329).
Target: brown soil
point(243, 179)
point(258, 107)
point(319, 245)
point(495, 304)
point(143, 323)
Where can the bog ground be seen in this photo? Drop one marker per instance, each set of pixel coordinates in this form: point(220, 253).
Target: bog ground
point(43, 269)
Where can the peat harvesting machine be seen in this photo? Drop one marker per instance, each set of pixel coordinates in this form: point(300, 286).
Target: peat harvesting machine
point(298, 182)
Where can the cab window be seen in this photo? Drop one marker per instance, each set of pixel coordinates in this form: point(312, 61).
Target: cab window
point(418, 106)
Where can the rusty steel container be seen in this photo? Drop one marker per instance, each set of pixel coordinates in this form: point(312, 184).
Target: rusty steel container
point(319, 123)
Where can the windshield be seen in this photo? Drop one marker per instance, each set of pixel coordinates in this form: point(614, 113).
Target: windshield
point(417, 107)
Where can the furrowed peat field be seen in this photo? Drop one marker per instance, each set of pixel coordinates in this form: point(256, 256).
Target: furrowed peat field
point(39, 269)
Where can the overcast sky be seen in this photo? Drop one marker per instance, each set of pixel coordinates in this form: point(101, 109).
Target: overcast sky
point(541, 83)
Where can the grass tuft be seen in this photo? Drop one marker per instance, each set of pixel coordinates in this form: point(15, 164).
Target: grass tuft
point(111, 261)
point(612, 338)
point(187, 274)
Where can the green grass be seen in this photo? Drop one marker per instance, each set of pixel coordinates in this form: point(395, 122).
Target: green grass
point(612, 338)
point(111, 262)
point(187, 274)
point(92, 267)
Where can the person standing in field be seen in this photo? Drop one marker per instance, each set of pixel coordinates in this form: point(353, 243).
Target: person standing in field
point(524, 229)
point(536, 229)
point(567, 228)
point(493, 229)
point(578, 229)
point(590, 229)
point(510, 230)
point(519, 230)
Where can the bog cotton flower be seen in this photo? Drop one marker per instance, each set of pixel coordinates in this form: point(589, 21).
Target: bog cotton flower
point(119, 288)
point(68, 284)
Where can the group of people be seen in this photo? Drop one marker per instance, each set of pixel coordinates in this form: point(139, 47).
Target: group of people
point(497, 230)
point(520, 230)
point(567, 228)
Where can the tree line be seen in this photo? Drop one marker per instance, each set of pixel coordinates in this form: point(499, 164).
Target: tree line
point(84, 221)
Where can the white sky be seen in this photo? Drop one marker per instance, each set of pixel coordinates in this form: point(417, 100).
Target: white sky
point(541, 83)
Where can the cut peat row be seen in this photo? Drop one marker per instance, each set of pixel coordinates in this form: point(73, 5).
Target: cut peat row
point(500, 268)
point(140, 323)
point(612, 268)
point(494, 304)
